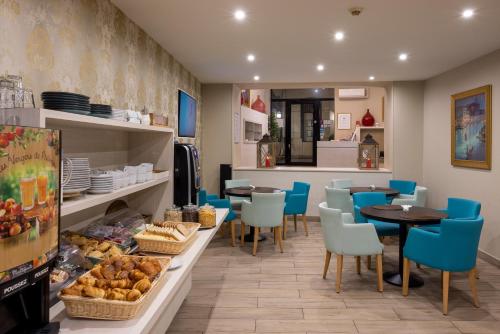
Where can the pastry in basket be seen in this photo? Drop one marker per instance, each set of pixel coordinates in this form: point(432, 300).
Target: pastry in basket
point(133, 294)
point(94, 248)
point(87, 280)
point(143, 285)
point(182, 229)
point(165, 233)
point(90, 291)
point(115, 295)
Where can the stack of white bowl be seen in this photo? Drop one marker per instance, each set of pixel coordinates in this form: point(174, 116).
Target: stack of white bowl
point(131, 172)
point(78, 171)
point(144, 172)
point(120, 178)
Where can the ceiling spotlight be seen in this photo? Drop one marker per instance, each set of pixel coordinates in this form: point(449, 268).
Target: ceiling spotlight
point(256, 77)
point(240, 15)
point(339, 35)
point(316, 91)
point(468, 13)
point(403, 56)
point(251, 58)
point(320, 67)
point(371, 78)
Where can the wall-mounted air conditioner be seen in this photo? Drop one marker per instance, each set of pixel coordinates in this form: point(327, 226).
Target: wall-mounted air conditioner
point(353, 93)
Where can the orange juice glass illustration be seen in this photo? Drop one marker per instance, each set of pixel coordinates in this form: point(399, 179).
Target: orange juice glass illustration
point(41, 183)
point(27, 186)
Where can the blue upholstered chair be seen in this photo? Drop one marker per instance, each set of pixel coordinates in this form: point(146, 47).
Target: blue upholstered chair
point(339, 199)
point(213, 200)
point(419, 198)
point(454, 249)
point(341, 183)
point(458, 208)
point(296, 204)
point(343, 237)
point(265, 210)
point(361, 200)
point(404, 187)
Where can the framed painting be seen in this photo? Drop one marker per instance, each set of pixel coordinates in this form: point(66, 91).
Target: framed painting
point(471, 128)
point(344, 121)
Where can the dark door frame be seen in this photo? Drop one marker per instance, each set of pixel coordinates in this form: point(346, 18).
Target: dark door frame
point(288, 129)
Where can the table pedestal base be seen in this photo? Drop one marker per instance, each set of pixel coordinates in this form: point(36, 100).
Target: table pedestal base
point(394, 278)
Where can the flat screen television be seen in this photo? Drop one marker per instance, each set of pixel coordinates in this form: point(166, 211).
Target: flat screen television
point(187, 115)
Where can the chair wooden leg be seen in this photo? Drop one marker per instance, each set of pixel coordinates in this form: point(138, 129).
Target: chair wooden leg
point(472, 283)
point(280, 241)
point(369, 262)
point(380, 282)
point(295, 222)
point(304, 221)
point(255, 240)
point(340, 260)
point(274, 232)
point(327, 263)
point(242, 241)
point(406, 276)
point(358, 264)
point(233, 233)
point(221, 231)
point(285, 223)
point(446, 288)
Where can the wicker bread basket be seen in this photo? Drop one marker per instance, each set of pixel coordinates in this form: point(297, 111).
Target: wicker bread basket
point(99, 308)
point(166, 246)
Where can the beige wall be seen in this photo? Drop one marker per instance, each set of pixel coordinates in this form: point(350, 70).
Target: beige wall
point(91, 47)
point(216, 136)
point(408, 103)
point(446, 181)
point(357, 108)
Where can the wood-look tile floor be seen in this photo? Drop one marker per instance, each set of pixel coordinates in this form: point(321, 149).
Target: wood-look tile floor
point(273, 292)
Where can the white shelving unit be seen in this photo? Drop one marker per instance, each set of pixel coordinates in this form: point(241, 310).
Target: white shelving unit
point(108, 144)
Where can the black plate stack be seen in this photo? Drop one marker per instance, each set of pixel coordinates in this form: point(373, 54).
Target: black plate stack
point(68, 102)
point(101, 110)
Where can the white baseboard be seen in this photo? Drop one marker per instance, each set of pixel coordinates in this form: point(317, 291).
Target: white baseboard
point(489, 258)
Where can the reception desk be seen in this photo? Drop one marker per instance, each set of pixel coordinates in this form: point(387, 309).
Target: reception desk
point(337, 153)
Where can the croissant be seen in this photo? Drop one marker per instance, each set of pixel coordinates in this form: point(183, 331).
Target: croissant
point(118, 283)
point(104, 246)
point(87, 280)
point(108, 271)
point(90, 291)
point(133, 295)
point(128, 265)
point(148, 268)
point(71, 291)
point(114, 295)
point(137, 275)
point(102, 283)
point(122, 274)
point(122, 291)
point(96, 272)
point(143, 285)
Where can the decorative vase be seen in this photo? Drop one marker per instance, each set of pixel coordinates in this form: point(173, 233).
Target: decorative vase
point(368, 119)
point(259, 105)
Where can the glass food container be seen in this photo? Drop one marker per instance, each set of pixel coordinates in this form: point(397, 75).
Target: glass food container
point(190, 213)
point(207, 216)
point(174, 214)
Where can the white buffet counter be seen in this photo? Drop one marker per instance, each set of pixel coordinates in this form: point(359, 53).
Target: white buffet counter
point(337, 153)
point(160, 309)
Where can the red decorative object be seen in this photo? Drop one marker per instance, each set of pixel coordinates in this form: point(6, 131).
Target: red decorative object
point(259, 105)
point(268, 162)
point(368, 163)
point(368, 119)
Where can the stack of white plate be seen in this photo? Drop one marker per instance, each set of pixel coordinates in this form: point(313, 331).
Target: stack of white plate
point(119, 115)
point(101, 184)
point(78, 170)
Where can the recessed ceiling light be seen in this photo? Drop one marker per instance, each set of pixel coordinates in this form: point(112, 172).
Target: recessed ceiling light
point(468, 13)
point(316, 91)
point(339, 35)
point(256, 77)
point(403, 56)
point(240, 15)
point(251, 58)
point(371, 77)
point(320, 67)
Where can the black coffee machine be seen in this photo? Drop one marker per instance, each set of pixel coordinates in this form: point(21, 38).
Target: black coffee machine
point(187, 179)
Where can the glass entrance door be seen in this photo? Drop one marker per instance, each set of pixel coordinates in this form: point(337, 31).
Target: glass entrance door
point(302, 132)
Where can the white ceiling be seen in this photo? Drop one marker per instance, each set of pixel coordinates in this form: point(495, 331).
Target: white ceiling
point(289, 37)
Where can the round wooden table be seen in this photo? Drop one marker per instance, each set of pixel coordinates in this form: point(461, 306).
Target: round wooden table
point(247, 193)
point(395, 214)
point(389, 192)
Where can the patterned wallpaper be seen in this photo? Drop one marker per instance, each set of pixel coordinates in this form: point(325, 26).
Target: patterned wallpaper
point(91, 47)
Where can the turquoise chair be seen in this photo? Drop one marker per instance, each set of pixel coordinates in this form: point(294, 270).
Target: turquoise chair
point(216, 202)
point(404, 187)
point(296, 204)
point(419, 198)
point(341, 183)
point(458, 208)
point(361, 200)
point(343, 237)
point(339, 199)
point(236, 200)
point(454, 249)
point(265, 210)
